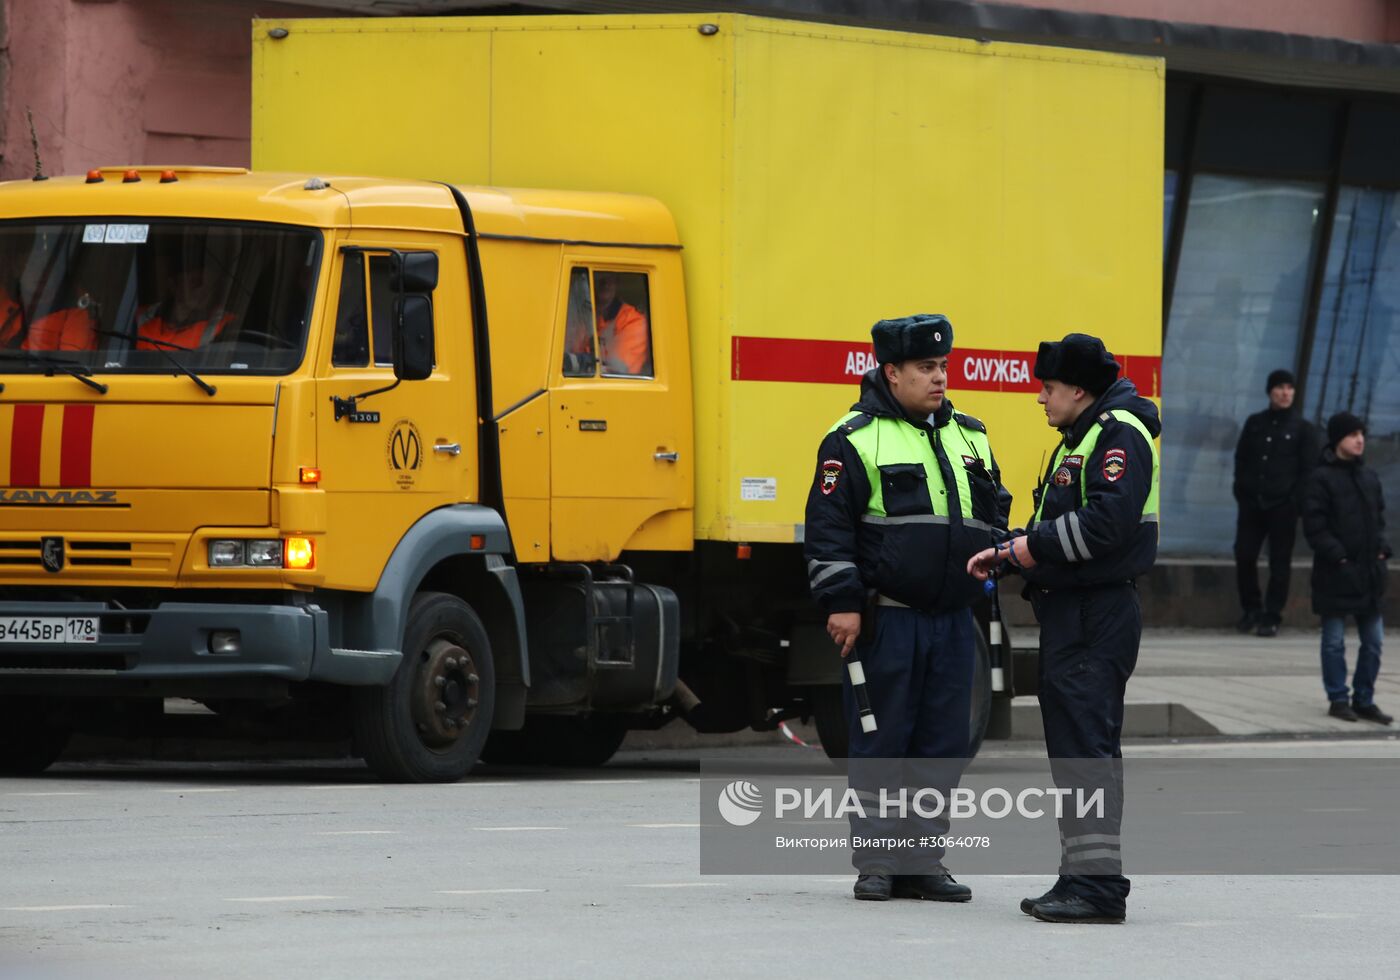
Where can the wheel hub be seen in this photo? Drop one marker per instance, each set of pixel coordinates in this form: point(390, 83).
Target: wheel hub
point(446, 693)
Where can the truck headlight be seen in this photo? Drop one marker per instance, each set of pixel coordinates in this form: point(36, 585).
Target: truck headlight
point(265, 554)
point(226, 553)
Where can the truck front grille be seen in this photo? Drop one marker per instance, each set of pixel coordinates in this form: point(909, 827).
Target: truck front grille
point(81, 553)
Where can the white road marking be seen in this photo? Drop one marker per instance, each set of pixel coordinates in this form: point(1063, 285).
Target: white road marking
point(492, 891)
point(352, 833)
point(1336, 809)
point(202, 789)
point(287, 898)
point(493, 829)
point(680, 884)
point(662, 826)
point(59, 908)
point(343, 786)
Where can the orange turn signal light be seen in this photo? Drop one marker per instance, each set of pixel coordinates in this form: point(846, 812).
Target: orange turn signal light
point(310, 474)
point(744, 552)
point(298, 553)
point(478, 542)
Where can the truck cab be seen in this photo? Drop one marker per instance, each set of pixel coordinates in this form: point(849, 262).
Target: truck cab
point(264, 454)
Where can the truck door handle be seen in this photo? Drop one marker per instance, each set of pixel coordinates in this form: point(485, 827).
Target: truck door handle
point(451, 448)
point(666, 457)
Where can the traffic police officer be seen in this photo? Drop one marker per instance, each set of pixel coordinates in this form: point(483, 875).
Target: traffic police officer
point(1094, 532)
point(906, 491)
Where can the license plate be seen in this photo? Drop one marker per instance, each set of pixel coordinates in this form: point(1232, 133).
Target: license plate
point(48, 629)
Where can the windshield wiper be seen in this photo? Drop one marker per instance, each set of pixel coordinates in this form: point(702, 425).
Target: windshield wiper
point(163, 347)
point(79, 371)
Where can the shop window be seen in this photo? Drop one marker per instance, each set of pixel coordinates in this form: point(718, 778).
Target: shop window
point(1236, 314)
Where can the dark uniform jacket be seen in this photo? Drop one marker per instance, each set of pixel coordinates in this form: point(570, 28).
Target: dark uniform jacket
point(1344, 521)
point(921, 565)
point(1277, 447)
point(1108, 541)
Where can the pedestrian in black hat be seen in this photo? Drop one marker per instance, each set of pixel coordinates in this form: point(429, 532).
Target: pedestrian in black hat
point(1276, 449)
point(1094, 532)
point(1344, 521)
point(906, 490)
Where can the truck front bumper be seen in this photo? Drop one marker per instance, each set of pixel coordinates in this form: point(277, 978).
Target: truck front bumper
point(177, 641)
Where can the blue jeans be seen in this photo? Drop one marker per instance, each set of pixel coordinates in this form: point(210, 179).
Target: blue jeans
point(1368, 661)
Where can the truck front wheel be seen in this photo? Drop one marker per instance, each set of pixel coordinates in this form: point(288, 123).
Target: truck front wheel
point(429, 723)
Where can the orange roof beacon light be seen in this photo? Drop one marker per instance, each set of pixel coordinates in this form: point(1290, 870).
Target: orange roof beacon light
point(132, 176)
point(168, 177)
point(299, 554)
point(94, 177)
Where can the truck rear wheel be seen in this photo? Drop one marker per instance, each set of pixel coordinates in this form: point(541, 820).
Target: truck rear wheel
point(429, 723)
point(30, 741)
point(546, 740)
point(834, 731)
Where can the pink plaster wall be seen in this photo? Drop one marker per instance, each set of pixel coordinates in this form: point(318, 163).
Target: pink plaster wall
point(1376, 21)
point(128, 81)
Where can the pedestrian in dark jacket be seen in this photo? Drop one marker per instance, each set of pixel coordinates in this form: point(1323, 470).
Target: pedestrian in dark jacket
point(1276, 450)
point(1344, 521)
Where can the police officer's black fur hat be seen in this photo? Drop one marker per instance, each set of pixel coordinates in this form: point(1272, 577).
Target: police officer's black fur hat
point(912, 338)
point(1079, 360)
point(1282, 376)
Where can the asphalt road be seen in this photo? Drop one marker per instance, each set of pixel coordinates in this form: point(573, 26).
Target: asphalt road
point(287, 870)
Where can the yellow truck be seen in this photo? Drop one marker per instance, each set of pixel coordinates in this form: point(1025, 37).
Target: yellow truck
point(429, 456)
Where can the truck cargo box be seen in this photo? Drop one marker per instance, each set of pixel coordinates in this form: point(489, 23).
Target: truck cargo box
point(820, 178)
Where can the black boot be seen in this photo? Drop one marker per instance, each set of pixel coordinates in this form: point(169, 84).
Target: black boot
point(931, 888)
point(873, 887)
point(1268, 625)
point(1342, 710)
point(1072, 908)
point(1248, 621)
point(1056, 891)
point(1371, 713)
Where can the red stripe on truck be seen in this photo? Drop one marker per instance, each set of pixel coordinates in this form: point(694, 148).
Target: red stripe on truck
point(838, 362)
point(75, 460)
point(26, 441)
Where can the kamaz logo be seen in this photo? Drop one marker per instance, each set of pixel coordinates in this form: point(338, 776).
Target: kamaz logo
point(59, 498)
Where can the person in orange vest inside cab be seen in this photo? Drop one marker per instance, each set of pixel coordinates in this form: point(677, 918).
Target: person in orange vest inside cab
point(183, 318)
point(624, 336)
point(69, 328)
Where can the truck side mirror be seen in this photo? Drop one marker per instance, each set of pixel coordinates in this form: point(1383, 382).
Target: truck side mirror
point(418, 272)
point(413, 337)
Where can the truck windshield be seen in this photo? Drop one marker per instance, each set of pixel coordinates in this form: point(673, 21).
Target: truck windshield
point(132, 295)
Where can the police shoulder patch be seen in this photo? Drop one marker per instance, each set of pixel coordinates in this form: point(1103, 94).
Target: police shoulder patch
point(969, 422)
point(829, 475)
point(1115, 464)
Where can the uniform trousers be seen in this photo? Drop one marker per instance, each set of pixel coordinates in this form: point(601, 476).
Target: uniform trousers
point(1088, 648)
point(918, 669)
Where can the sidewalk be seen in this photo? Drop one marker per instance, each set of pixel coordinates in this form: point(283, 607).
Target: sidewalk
point(1189, 683)
point(1244, 685)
